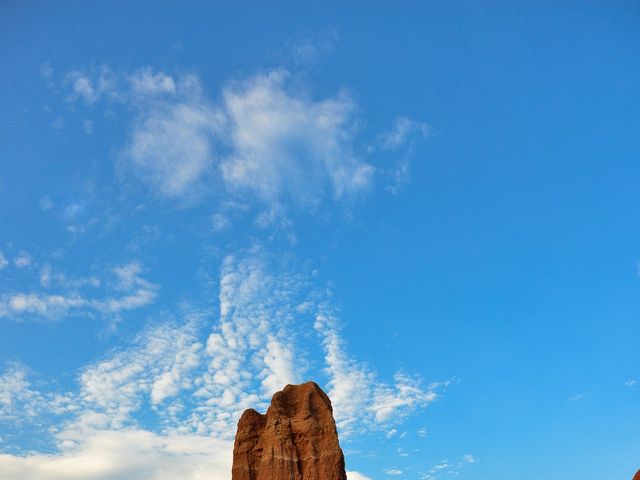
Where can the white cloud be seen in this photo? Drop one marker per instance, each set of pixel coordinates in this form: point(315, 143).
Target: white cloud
point(45, 70)
point(403, 397)
point(22, 260)
point(15, 392)
point(468, 458)
point(353, 475)
point(83, 89)
point(156, 369)
point(45, 276)
point(196, 383)
point(171, 147)
point(285, 144)
point(360, 400)
point(147, 82)
point(58, 123)
point(448, 469)
point(89, 87)
point(403, 131)
point(265, 137)
point(133, 454)
point(630, 383)
point(128, 292)
point(219, 222)
point(444, 464)
point(350, 382)
point(33, 303)
point(255, 339)
point(577, 397)
point(393, 471)
point(19, 401)
point(308, 49)
point(3, 261)
point(279, 365)
point(45, 203)
point(73, 211)
point(400, 140)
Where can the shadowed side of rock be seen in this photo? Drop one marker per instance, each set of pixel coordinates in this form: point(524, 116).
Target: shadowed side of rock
point(296, 439)
point(246, 452)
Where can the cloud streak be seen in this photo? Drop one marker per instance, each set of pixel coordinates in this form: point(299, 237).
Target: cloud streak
point(126, 290)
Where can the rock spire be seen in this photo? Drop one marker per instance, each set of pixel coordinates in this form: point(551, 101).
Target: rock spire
point(296, 439)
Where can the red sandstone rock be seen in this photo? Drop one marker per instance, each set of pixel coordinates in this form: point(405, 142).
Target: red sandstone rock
point(296, 439)
point(637, 475)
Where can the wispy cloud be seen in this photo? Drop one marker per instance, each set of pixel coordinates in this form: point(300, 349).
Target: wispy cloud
point(267, 137)
point(90, 86)
point(577, 397)
point(286, 144)
point(22, 260)
point(360, 399)
point(155, 368)
point(403, 133)
point(20, 401)
point(125, 290)
point(393, 471)
point(171, 140)
point(448, 469)
point(45, 203)
point(400, 142)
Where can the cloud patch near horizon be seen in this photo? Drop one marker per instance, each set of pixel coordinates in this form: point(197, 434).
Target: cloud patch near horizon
point(134, 454)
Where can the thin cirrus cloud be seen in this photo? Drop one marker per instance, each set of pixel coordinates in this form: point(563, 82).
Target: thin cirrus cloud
point(266, 137)
point(447, 469)
point(361, 401)
point(400, 142)
point(197, 377)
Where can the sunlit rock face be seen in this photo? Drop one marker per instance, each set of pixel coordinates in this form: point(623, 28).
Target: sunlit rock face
point(296, 439)
point(637, 475)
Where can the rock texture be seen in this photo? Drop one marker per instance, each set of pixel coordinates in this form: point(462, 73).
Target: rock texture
point(296, 439)
point(637, 475)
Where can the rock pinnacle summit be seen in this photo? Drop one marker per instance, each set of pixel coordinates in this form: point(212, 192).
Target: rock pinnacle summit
point(295, 440)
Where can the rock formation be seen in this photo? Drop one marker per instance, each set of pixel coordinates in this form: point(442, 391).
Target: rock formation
point(637, 475)
point(296, 439)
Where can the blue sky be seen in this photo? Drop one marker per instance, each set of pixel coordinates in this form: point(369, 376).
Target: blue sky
point(431, 210)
